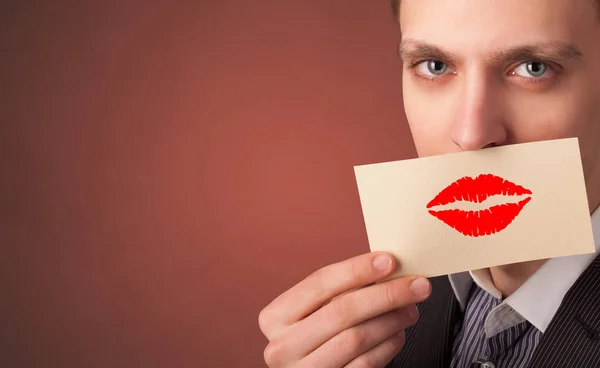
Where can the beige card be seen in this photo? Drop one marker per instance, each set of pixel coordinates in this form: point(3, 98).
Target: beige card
point(469, 210)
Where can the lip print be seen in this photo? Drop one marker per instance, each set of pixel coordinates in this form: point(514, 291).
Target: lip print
point(482, 222)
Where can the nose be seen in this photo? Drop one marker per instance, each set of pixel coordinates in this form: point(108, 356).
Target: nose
point(480, 119)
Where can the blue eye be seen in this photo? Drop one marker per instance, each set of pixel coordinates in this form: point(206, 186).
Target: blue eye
point(530, 69)
point(436, 67)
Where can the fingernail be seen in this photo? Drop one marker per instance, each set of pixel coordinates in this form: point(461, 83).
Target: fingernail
point(382, 262)
point(420, 287)
point(413, 312)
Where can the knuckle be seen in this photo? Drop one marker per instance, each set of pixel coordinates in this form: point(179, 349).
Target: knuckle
point(414, 318)
point(264, 318)
point(340, 312)
point(317, 274)
point(389, 295)
point(354, 273)
point(397, 344)
point(363, 361)
point(315, 283)
point(354, 339)
point(401, 340)
point(273, 354)
point(407, 316)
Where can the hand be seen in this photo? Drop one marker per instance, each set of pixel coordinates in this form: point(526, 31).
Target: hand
point(337, 317)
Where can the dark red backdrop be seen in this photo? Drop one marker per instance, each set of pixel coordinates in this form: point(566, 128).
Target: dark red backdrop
point(167, 170)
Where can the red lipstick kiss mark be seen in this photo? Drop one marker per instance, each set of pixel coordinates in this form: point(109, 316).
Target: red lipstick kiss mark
point(482, 222)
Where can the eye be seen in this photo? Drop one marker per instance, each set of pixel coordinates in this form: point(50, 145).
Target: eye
point(432, 67)
point(531, 69)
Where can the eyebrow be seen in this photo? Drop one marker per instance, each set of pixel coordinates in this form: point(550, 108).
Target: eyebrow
point(553, 50)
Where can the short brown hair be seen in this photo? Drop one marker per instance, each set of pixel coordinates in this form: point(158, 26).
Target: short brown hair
point(396, 8)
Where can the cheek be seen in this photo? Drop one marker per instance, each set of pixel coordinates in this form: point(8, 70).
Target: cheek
point(552, 116)
point(575, 113)
point(429, 120)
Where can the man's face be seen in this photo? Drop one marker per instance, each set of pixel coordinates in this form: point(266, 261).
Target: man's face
point(485, 73)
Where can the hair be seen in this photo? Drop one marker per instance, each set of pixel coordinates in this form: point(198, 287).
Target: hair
point(396, 8)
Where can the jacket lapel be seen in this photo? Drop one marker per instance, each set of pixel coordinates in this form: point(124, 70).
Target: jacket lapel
point(429, 342)
point(573, 336)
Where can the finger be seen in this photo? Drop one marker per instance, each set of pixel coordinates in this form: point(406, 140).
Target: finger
point(350, 343)
point(352, 309)
point(380, 355)
point(321, 286)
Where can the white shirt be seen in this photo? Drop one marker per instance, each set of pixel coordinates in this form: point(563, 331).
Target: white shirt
point(538, 299)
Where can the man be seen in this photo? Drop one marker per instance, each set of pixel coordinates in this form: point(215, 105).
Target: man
point(476, 74)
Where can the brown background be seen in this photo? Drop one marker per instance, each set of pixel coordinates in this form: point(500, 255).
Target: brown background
point(167, 170)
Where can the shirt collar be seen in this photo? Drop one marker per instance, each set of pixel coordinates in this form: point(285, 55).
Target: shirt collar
point(538, 299)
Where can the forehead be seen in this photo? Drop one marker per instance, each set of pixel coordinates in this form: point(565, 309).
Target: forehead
point(470, 26)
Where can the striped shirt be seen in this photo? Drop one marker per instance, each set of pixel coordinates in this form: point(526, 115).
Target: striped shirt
point(491, 334)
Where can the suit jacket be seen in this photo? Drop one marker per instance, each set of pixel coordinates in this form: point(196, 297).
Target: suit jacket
point(572, 339)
